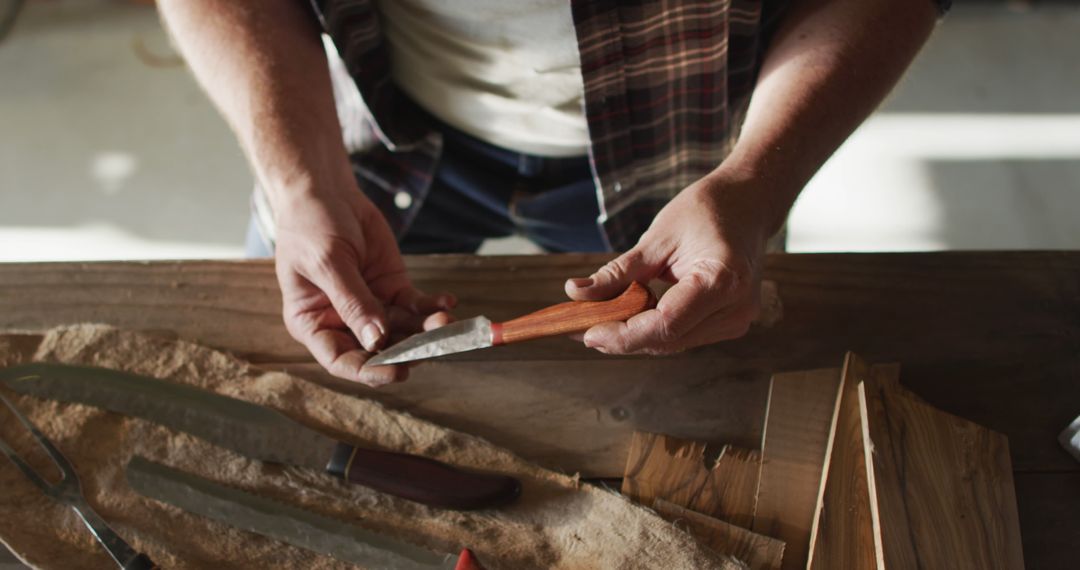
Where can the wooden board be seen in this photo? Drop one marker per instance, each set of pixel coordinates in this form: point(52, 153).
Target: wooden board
point(798, 427)
point(663, 467)
point(990, 336)
point(941, 490)
point(758, 551)
point(927, 310)
point(842, 534)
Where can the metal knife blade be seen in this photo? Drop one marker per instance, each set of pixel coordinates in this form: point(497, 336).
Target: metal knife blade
point(460, 336)
point(261, 433)
point(277, 520)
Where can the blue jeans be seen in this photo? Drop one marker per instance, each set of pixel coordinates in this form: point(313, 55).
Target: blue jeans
point(481, 191)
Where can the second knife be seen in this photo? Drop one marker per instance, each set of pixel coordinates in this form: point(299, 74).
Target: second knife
point(261, 433)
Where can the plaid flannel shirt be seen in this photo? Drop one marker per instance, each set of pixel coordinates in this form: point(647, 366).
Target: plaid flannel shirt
point(666, 85)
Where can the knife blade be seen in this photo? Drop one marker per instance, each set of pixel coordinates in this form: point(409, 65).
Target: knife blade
point(280, 521)
point(480, 332)
point(261, 433)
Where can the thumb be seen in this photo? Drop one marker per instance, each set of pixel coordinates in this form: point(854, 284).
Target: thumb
point(613, 278)
point(354, 303)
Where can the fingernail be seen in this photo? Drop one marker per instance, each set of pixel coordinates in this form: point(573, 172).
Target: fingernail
point(370, 337)
point(582, 282)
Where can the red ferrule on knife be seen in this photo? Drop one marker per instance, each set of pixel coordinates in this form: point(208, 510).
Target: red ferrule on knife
point(496, 334)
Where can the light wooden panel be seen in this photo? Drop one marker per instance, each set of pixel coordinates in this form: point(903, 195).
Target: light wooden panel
point(663, 467)
point(798, 426)
point(758, 551)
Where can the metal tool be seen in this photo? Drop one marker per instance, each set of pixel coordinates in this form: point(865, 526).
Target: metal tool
point(261, 433)
point(290, 524)
point(69, 492)
point(480, 332)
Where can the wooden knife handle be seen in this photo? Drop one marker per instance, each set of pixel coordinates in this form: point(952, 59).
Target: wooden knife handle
point(422, 479)
point(574, 316)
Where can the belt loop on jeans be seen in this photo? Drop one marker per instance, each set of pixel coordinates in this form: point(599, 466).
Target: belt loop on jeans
point(529, 165)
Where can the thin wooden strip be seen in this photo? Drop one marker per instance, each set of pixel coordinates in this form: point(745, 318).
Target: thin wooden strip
point(758, 551)
point(842, 534)
point(798, 425)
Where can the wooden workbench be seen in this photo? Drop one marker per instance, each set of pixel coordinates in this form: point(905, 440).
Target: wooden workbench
point(992, 337)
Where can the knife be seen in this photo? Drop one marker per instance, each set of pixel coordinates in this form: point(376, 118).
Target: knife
point(280, 521)
point(261, 433)
point(480, 332)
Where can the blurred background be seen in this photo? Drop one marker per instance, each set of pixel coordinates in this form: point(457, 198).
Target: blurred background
point(108, 149)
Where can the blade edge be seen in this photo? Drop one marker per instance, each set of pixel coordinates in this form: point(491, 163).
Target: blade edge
point(462, 336)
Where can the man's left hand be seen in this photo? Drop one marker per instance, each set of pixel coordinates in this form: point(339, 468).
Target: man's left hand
point(709, 242)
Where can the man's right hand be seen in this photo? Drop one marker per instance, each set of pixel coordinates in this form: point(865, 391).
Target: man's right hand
point(345, 290)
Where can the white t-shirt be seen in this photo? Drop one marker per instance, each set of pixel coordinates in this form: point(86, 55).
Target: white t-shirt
point(504, 71)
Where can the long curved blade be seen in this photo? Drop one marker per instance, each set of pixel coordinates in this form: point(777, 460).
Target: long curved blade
point(277, 520)
point(248, 429)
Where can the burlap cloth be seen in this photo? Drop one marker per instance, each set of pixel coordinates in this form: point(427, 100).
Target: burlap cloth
point(558, 522)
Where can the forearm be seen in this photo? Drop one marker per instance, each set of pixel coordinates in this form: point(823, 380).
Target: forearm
point(829, 65)
point(263, 65)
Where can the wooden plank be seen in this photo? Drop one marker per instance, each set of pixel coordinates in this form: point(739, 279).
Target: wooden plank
point(663, 467)
point(842, 535)
point(943, 486)
point(577, 418)
point(757, 551)
point(928, 310)
point(798, 426)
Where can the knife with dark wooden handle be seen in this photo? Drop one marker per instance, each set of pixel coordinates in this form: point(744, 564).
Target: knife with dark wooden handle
point(480, 332)
point(263, 434)
point(421, 479)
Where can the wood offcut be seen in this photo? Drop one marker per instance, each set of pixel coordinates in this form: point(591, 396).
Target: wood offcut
point(757, 551)
point(798, 429)
point(910, 486)
point(663, 467)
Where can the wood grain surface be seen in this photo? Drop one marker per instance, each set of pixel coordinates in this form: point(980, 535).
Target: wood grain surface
point(993, 337)
point(941, 491)
point(758, 551)
point(675, 470)
point(798, 428)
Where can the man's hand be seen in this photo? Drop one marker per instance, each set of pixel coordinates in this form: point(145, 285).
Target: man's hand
point(708, 241)
point(344, 286)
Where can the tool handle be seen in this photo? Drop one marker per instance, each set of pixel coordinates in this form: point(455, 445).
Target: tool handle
point(574, 316)
point(422, 479)
point(467, 561)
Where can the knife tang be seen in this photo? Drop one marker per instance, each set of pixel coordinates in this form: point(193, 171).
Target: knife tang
point(422, 479)
point(573, 316)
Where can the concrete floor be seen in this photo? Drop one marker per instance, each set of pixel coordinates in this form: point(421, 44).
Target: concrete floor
point(108, 149)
